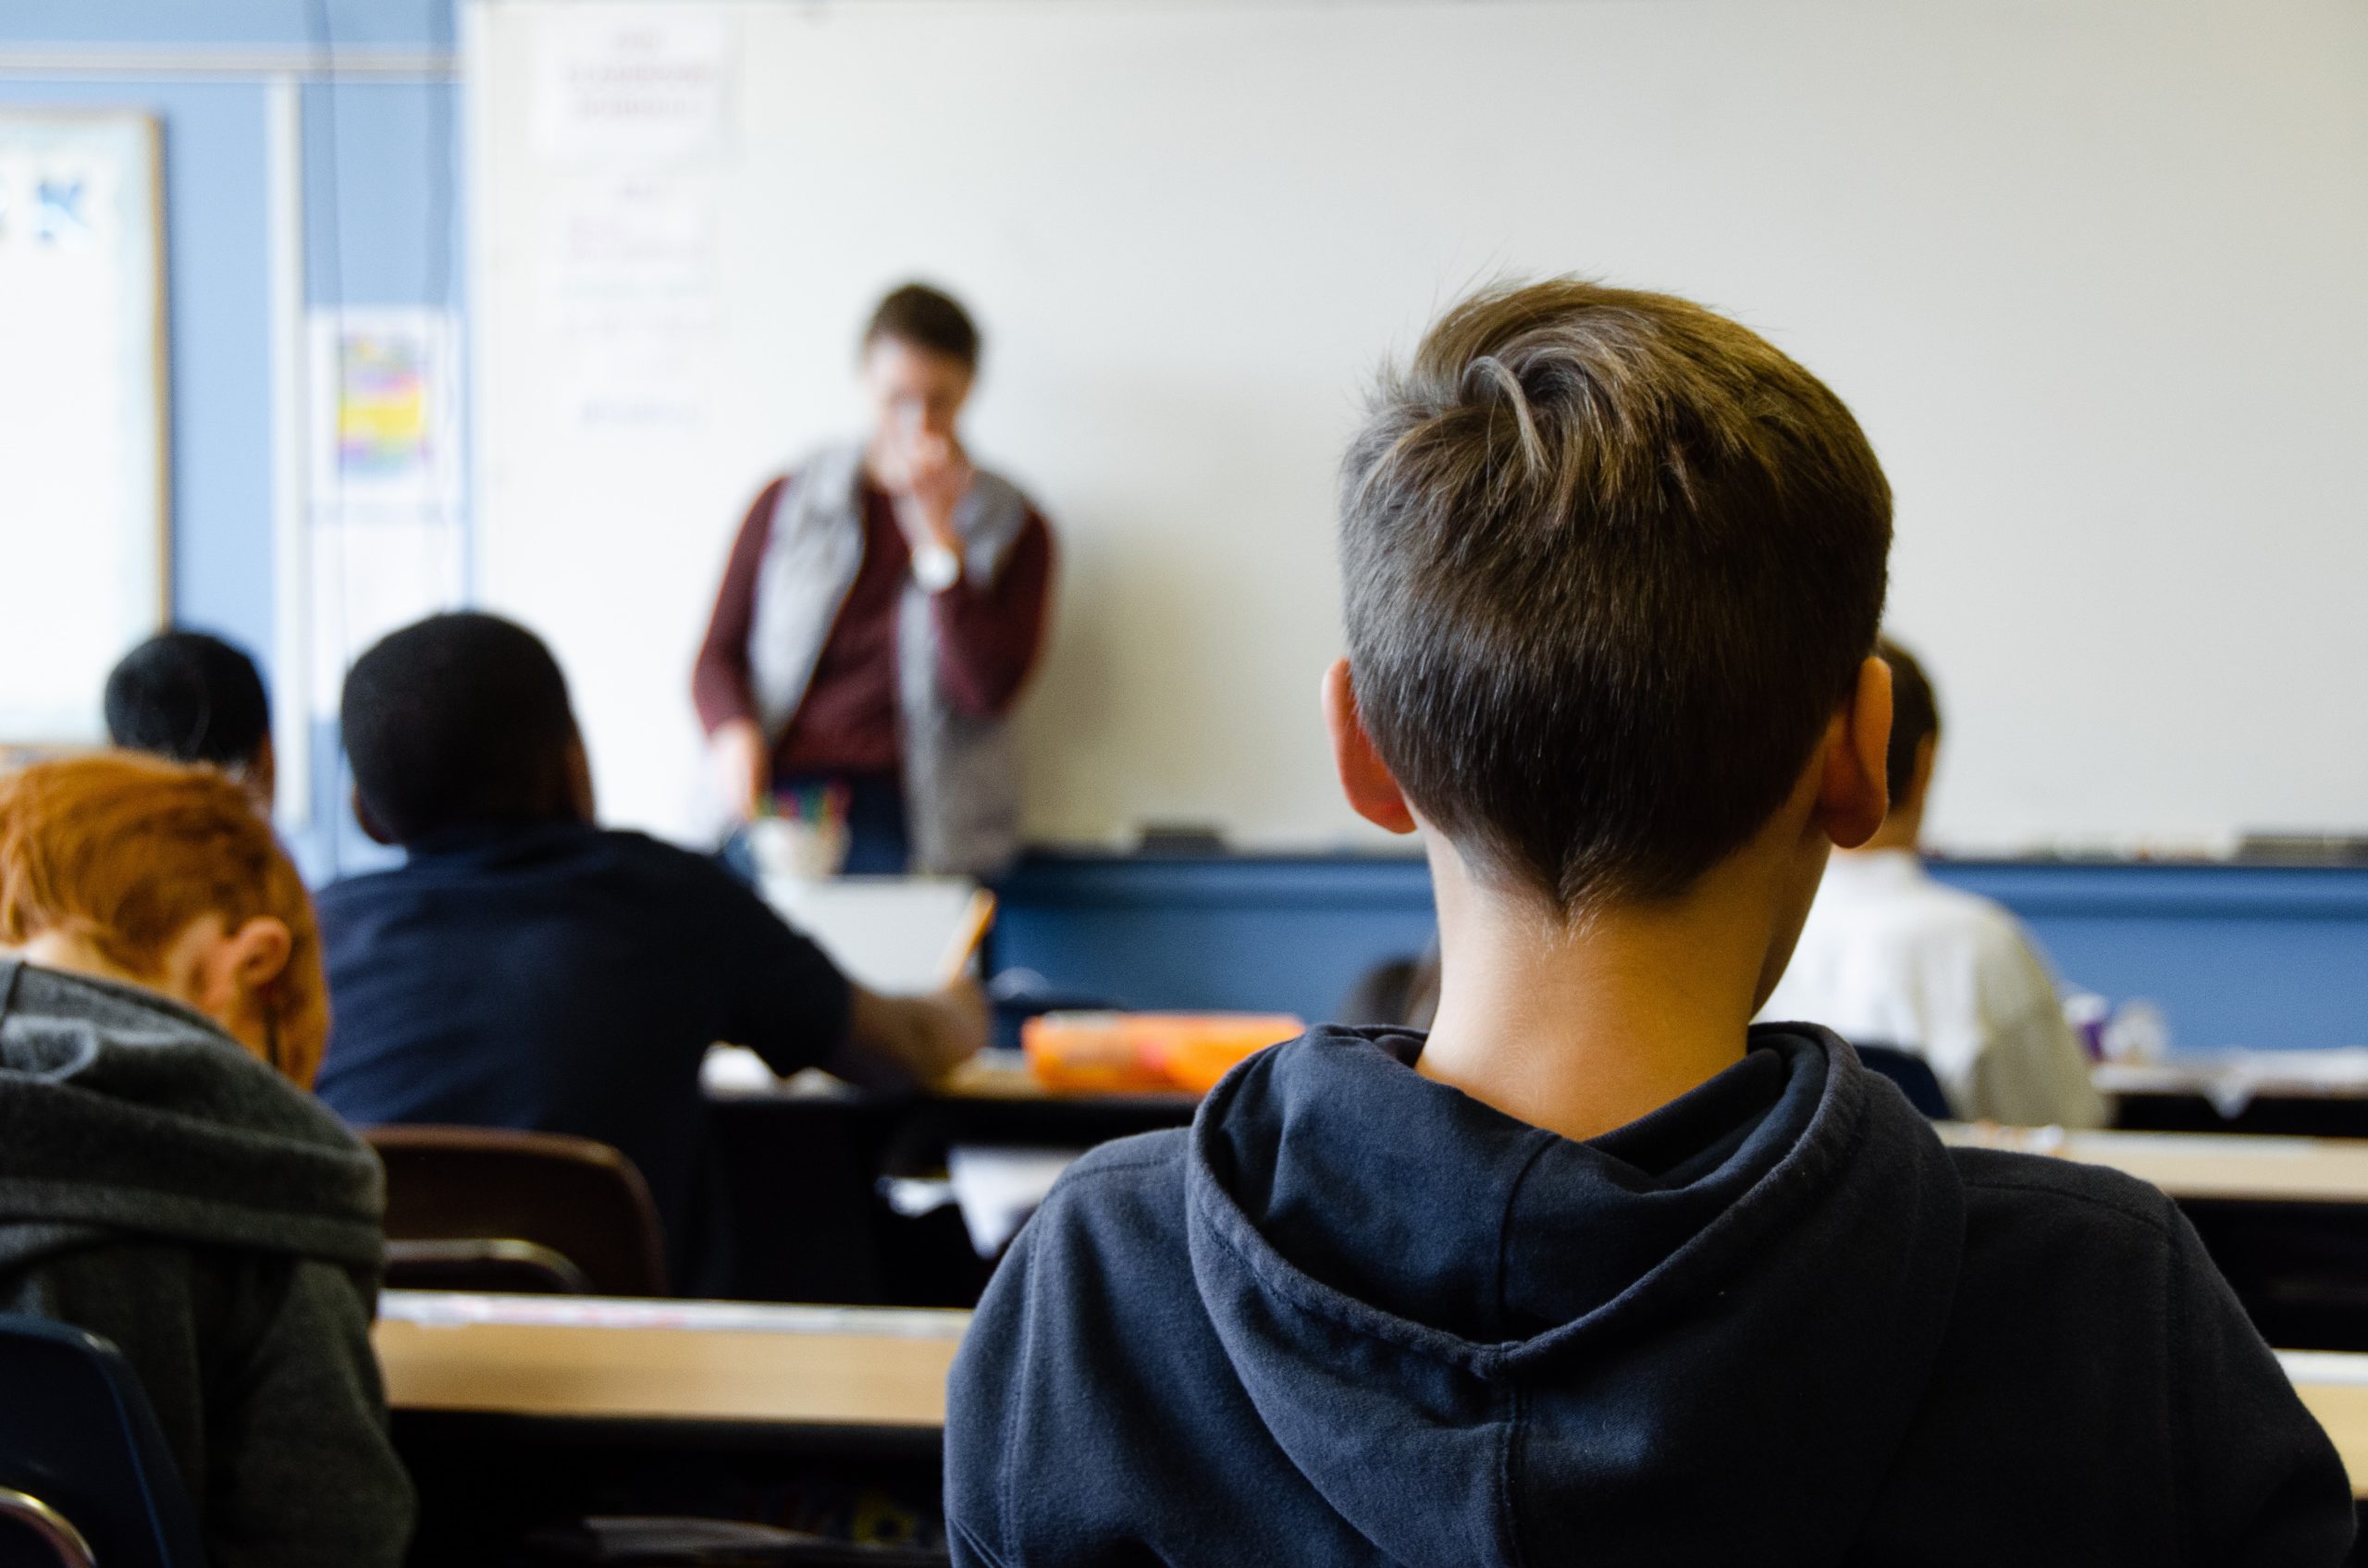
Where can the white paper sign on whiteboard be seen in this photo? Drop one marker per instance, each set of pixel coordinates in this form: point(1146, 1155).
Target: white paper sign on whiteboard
point(83, 519)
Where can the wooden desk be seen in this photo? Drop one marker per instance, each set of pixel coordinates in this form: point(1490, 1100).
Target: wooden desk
point(991, 1077)
point(591, 1359)
point(697, 1363)
point(2293, 1093)
point(2201, 1165)
point(1004, 1077)
point(517, 1414)
point(2328, 1074)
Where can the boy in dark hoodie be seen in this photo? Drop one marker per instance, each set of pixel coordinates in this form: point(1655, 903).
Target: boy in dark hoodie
point(165, 1181)
point(1598, 1271)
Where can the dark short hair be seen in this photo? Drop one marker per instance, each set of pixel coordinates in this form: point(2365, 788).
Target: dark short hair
point(458, 719)
point(1610, 562)
point(927, 318)
point(1914, 717)
point(191, 697)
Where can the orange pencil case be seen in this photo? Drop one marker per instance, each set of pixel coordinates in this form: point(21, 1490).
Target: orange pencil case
point(1121, 1052)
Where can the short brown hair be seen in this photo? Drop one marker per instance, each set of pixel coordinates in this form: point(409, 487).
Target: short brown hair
point(1611, 560)
point(1914, 717)
point(927, 318)
point(123, 851)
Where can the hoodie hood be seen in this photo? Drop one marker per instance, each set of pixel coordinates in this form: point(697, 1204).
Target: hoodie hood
point(121, 1112)
point(1483, 1342)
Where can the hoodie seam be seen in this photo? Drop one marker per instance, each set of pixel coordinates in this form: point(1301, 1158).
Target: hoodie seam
point(1015, 1412)
point(1078, 1174)
point(1505, 1229)
point(2133, 1212)
point(1309, 1295)
point(2175, 1341)
point(1508, 1466)
point(971, 1539)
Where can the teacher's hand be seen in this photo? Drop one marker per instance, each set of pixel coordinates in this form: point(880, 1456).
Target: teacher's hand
point(929, 479)
point(742, 768)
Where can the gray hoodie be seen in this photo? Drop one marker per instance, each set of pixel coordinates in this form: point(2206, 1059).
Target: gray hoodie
point(161, 1186)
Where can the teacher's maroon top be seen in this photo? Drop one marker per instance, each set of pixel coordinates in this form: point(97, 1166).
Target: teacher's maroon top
point(987, 640)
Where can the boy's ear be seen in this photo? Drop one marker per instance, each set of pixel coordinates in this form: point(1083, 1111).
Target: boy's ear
point(263, 775)
point(372, 829)
point(582, 804)
point(1852, 797)
point(1365, 778)
point(237, 965)
point(257, 953)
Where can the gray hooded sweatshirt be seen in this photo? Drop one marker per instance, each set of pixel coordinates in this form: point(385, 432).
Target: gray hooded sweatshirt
point(161, 1186)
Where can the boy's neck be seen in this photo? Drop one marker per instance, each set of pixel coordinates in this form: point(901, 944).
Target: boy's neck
point(1581, 1026)
point(1901, 829)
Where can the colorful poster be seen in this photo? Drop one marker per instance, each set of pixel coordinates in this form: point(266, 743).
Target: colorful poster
point(386, 418)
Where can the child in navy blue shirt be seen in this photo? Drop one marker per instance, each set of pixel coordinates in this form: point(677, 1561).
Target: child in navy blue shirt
point(526, 969)
point(1597, 1271)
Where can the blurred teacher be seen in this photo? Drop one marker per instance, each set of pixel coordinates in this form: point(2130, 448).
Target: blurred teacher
point(883, 604)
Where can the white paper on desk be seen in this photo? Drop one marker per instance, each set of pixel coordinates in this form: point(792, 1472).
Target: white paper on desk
point(997, 1188)
point(891, 935)
point(462, 1309)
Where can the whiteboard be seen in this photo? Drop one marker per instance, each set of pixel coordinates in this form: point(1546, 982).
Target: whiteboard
point(2091, 272)
point(83, 524)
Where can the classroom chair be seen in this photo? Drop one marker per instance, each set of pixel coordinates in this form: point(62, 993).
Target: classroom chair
point(1912, 1074)
point(472, 1208)
point(1395, 993)
point(85, 1476)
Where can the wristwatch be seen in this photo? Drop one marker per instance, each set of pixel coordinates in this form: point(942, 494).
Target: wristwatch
point(935, 567)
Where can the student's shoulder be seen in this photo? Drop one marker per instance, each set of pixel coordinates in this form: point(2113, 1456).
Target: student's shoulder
point(1121, 1194)
point(2040, 1201)
point(362, 889)
point(1125, 1170)
point(1984, 923)
point(640, 855)
point(2065, 1271)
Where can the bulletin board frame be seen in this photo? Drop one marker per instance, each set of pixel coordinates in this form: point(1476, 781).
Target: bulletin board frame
point(128, 239)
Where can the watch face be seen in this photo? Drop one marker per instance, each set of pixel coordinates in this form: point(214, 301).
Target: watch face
point(935, 568)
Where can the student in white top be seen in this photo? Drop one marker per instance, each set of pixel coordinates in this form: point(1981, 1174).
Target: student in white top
point(1891, 956)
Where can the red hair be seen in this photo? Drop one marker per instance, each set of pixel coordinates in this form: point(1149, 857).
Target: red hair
point(124, 852)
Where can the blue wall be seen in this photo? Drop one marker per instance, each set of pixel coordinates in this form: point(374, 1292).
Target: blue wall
point(381, 196)
point(418, 24)
point(2234, 955)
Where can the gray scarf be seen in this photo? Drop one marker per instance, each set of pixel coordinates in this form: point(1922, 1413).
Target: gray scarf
point(961, 771)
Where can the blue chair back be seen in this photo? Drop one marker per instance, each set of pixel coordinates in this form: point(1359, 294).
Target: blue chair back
point(1914, 1077)
point(77, 1437)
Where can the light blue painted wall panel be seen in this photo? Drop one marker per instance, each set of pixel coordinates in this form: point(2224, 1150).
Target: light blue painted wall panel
point(382, 193)
point(414, 24)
